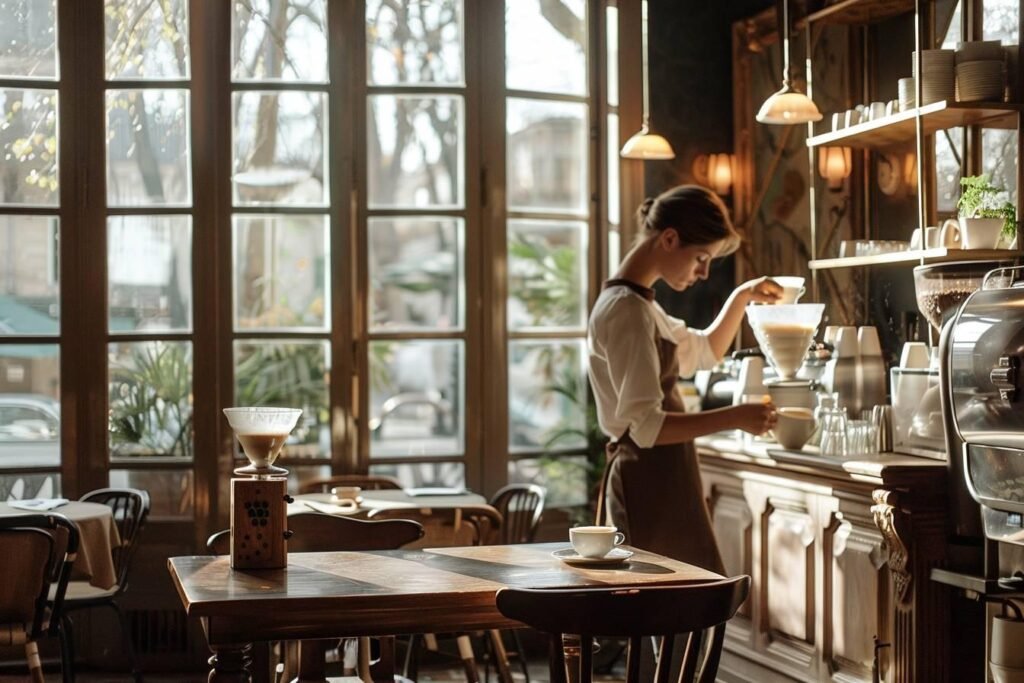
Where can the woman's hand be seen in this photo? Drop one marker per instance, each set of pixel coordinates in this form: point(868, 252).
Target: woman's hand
point(755, 418)
point(762, 290)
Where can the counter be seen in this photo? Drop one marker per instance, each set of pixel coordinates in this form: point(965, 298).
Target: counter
point(840, 551)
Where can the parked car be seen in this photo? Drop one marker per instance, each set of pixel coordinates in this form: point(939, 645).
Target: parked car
point(29, 430)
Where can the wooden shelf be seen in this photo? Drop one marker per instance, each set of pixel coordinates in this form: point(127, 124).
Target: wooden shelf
point(927, 255)
point(901, 127)
point(859, 12)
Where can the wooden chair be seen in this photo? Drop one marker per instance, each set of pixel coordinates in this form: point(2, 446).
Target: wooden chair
point(521, 507)
point(38, 552)
point(130, 508)
point(699, 610)
point(366, 482)
point(449, 526)
point(314, 532)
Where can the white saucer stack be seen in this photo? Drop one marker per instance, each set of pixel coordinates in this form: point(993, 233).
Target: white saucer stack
point(980, 71)
point(939, 81)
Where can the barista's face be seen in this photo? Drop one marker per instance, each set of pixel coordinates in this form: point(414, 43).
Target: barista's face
point(683, 265)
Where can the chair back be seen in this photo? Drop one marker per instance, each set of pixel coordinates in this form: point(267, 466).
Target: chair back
point(449, 526)
point(698, 609)
point(521, 507)
point(38, 552)
point(131, 509)
point(366, 482)
point(315, 532)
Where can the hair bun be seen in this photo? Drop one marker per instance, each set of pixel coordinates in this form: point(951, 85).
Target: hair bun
point(645, 209)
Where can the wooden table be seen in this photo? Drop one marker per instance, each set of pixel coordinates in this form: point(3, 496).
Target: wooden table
point(324, 595)
point(97, 538)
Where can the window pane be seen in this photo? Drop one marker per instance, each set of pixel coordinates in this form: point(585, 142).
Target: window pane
point(279, 40)
point(415, 151)
point(288, 375)
point(999, 158)
point(414, 41)
point(28, 486)
point(547, 155)
point(149, 272)
point(151, 399)
point(546, 276)
point(148, 148)
point(416, 398)
point(947, 169)
point(1000, 21)
point(542, 376)
point(146, 39)
point(170, 492)
point(612, 15)
point(28, 39)
point(614, 210)
point(564, 477)
point(28, 147)
point(546, 46)
point(416, 272)
point(280, 140)
point(29, 290)
point(281, 272)
point(428, 474)
point(29, 407)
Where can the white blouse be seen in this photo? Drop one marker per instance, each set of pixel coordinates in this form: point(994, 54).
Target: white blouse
point(624, 367)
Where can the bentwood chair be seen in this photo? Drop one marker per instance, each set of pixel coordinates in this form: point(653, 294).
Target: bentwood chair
point(38, 552)
point(521, 507)
point(314, 532)
point(450, 526)
point(366, 482)
point(130, 508)
point(698, 610)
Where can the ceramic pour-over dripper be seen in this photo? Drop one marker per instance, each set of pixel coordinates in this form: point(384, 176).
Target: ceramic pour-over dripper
point(262, 433)
point(784, 333)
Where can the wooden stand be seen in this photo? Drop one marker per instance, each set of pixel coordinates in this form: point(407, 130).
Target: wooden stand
point(258, 520)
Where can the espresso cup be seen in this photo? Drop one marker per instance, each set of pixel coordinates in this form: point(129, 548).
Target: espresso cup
point(792, 288)
point(595, 541)
point(346, 494)
point(793, 427)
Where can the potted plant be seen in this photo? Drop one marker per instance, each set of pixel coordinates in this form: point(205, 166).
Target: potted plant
point(986, 214)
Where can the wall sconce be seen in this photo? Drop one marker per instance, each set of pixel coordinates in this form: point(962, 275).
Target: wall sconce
point(835, 165)
point(716, 171)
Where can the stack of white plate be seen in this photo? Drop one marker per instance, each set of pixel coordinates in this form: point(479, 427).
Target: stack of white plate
point(980, 71)
point(938, 82)
point(982, 81)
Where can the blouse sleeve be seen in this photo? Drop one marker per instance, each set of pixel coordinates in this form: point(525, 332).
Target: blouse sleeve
point(627, 339)
point(693, 348)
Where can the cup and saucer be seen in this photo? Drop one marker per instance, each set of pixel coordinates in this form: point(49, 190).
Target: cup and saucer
point(594, 546)
point(347, 497)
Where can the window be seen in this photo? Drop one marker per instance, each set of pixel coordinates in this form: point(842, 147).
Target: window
point(295, 212)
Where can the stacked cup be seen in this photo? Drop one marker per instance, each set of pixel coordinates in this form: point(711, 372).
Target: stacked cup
point(908, 93)
point(938, 82)
point(980, 71)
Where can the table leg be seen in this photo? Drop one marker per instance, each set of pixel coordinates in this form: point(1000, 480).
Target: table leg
point(571, 653)
point(311, 661)
point(384, 668)
point(230, 664)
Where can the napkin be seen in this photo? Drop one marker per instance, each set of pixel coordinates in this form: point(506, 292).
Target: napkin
point(38, 504)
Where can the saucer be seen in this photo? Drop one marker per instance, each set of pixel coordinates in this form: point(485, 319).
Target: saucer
point(615, 556)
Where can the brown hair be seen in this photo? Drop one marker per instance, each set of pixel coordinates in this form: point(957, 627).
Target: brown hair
point(694, 212)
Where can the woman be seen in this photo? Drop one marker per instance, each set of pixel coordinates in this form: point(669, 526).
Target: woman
point(652, 488)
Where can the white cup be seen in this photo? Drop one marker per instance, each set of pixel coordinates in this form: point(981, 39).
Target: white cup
point(1007, 642)
point(838, 120)
point(867, 341)
point(949, 234)
point(595, 541)
point(793, 426)
point(852, 117)
point(914, 355)
point(792, 288)
point(876, 110)
point(931, 237)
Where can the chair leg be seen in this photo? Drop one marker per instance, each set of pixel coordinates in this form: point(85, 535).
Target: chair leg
point(126, 640)
point(468, 659)
point(500, 656)
point(67, 649)
point(35, 666)
point(521, 654)
point(411, 667)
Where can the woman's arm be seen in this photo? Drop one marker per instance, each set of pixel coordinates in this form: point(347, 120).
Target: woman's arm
point(755, 418)
point(723, 330)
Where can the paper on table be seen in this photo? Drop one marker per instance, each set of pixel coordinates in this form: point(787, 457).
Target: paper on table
point(38, 504)
point(435, 491)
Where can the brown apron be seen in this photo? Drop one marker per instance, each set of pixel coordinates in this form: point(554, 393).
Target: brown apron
point(654, 495)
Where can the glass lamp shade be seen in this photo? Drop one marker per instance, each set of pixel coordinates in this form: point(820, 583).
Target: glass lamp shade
point(834, 165)
point(788, 106)
point(647, 145)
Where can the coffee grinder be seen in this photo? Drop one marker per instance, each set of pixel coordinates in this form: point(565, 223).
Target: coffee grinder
point(259, 495)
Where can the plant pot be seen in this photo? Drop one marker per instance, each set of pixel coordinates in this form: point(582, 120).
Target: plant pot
point(980, 233)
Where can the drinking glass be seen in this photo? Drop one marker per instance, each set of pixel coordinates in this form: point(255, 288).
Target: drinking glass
point(833, 432)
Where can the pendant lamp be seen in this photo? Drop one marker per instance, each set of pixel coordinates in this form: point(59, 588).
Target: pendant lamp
point(788, 105)
point(644, 144)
